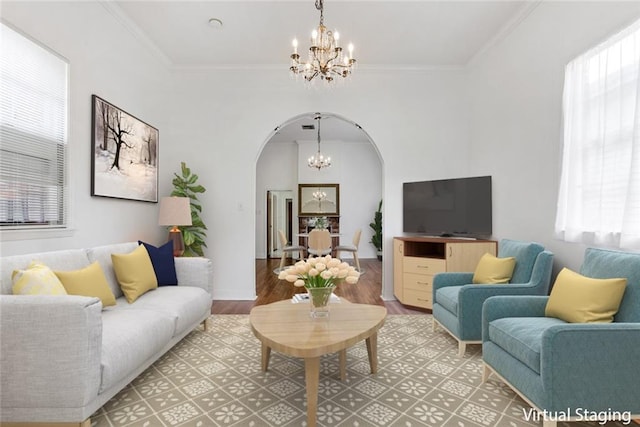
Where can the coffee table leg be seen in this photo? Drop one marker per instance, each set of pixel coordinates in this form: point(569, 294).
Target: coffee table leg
point(342, 355)
point(372, 350)
point(312, 377)
point(266, 352)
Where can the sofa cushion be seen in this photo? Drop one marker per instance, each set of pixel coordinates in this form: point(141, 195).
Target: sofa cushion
point(89, 282)
point(184, 304)
point(129, 338)
point(447, 297)
point(521, 337)
point(578, 299)
point(134, 272)
point(163, 263)
point(102, 254)
point(491, 269)
point(56, 260)
point(36, 279)
point(525, 254)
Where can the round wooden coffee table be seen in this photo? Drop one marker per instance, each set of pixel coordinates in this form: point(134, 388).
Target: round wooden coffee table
point(289, 329)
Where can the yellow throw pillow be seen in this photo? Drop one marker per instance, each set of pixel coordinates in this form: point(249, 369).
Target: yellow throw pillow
point(578, 299)
point(135, 273)
point(491, 270)
point(89, 282)
point(37, 279)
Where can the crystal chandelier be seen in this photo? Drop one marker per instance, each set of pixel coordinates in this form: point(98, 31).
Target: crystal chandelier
point(326, 59)
point(318, 161)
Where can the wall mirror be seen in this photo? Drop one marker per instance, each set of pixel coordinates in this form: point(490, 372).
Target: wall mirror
point(318, 199)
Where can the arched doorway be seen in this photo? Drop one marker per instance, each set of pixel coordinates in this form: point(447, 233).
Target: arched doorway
point(357, 168)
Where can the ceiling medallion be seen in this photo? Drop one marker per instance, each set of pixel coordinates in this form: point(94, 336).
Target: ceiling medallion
point(326, 59)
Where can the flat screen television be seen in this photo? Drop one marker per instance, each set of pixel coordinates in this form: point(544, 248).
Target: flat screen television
point(459, 207)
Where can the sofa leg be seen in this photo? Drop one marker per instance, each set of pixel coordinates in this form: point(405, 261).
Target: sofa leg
point(486, 373)
point(434, 325)
point(462, 347)
point(204, 325)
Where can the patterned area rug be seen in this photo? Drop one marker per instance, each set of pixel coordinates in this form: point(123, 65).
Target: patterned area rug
point(214, 379)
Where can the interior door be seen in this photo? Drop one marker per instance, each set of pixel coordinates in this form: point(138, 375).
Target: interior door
point(279, 217)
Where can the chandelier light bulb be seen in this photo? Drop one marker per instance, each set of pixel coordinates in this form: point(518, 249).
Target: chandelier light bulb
point(336, 35)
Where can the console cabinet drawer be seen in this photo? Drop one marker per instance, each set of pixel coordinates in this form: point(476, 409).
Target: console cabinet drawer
point(418, 282)
point(417, 298)
point(418, 265)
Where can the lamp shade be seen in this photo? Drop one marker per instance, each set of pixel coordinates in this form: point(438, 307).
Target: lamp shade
point(175, 211)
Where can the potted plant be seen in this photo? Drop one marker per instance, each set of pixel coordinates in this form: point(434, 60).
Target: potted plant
point(376, 225)
point(185, 185)
point(321, 223)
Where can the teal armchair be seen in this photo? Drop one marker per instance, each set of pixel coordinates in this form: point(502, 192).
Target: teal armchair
point(564, 369)
point(457, 304)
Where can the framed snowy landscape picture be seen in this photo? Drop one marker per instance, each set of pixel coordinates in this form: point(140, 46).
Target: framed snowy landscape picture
point(124, 162)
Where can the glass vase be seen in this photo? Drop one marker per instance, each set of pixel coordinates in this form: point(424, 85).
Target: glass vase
point(319, 301)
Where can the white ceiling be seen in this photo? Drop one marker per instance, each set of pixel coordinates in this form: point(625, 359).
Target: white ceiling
point(416, 34)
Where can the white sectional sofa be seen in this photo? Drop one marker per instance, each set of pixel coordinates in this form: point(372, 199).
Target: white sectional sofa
point(63, 357)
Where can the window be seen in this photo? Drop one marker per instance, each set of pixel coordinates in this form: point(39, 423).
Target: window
point(599, 197)
point(33, 133)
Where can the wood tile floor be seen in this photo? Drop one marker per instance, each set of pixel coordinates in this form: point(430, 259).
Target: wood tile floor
point(270, 289)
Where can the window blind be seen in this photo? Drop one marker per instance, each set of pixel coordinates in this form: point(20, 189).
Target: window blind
point(33, 133)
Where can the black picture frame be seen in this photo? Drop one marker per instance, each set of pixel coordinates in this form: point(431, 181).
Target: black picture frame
point(124, 154)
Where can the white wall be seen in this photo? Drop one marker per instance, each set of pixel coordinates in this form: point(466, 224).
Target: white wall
point(224, 117)
point(107, 61)
point(516, 111)
point(276, 170)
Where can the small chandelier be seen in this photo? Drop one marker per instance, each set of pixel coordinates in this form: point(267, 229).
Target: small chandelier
point(319, 195)
point(318, 161)
point(326, 59)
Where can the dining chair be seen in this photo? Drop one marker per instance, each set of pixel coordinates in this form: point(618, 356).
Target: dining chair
point(351, 248)
point(287, 249)
point(319, 242)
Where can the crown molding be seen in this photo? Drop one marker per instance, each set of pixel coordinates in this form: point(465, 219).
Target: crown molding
point(124, 20)
point(525, 10)
point(280, 67)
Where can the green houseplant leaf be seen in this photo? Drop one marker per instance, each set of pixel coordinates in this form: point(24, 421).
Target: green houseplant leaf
point(376, 225)
point(194, 235)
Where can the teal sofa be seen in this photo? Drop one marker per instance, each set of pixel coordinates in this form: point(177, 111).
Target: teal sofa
point(457, 304)
point(568, 371)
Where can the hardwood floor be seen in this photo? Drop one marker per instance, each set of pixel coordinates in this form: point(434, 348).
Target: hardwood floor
point(269, 289)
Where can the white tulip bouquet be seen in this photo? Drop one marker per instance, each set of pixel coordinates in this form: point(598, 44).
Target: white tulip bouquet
point(319, 272)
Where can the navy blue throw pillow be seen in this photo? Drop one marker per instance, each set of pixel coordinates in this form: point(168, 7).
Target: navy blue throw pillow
point(163, 263)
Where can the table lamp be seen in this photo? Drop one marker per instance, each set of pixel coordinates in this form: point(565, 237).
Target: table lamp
point(175, 211)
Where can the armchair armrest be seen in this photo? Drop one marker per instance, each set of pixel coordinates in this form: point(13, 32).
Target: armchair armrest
point(195, 271)
point(441, 280)
point(50, 356)
point(471, 299)
point(498, 307)
point(592, 365)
